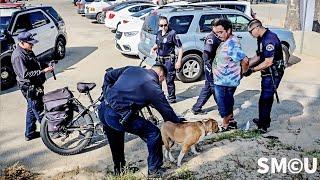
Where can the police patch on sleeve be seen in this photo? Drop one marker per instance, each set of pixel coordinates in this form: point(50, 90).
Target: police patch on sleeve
point(270, 47)
point(209, 41)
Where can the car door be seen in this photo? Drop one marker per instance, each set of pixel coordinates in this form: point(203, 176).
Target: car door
point(38, 25)
point(240, 30)
point(205, 27)
point(45, 29)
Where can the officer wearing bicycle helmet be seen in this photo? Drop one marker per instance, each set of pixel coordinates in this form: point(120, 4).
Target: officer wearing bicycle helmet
point(126, 91)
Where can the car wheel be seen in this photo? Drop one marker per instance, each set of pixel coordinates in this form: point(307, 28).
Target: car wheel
point(191, 68)
point(100, 18)
point(60, 49)
point(286, 55)
point(8, 77)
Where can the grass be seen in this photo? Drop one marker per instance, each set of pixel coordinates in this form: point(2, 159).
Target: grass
point(17, 172)
point(314, 154)
point(125, 175)
point(183, 173)
point(233, 135)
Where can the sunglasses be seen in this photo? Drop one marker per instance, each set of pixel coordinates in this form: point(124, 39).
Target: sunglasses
point(250, 31)
point(163, 25)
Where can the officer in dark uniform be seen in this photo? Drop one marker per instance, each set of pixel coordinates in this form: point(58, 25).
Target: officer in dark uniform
point(126, 91)
point(269, 60)
point(211, 45)
point(30, 78)
point(166, 41)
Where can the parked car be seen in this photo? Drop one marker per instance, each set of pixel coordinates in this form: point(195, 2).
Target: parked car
point(113, 18)
point(94, 10)
point(47, 27)
point(122, 5)
point(242, 6)
point(128, 32)
point(193, 24)
point(81, 5)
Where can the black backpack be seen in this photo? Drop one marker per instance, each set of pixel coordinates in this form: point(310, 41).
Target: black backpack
point(58, 108)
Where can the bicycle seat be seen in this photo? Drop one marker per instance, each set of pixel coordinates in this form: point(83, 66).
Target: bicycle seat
point(85, 87)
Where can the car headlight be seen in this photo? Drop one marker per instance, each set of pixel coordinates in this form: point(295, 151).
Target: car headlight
point(132, 33)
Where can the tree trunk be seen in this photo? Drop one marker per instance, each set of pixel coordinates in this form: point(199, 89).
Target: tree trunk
point(293, 15)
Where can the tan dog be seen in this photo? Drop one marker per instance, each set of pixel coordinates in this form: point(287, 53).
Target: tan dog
point(188, 134)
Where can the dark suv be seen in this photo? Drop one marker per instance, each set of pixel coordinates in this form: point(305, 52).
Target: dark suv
point(43, 22)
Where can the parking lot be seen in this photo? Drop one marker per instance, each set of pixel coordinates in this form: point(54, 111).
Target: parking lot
point(91, 50)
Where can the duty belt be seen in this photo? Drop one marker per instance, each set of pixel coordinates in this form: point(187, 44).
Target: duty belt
point(166, 57)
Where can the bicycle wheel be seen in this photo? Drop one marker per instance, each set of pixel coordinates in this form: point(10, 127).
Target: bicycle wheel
point(73, 137)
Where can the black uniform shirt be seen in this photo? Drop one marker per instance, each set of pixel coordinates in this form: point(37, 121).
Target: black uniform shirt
point(166, 44)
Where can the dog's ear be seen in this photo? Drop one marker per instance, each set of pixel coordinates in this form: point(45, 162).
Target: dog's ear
point(215, 127)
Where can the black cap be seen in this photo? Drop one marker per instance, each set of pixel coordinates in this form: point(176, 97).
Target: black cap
point(163, 67)
point(27, 37)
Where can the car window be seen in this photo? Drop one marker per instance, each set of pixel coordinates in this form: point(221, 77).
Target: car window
point(145, 7)
point(205, 22)
point(53, 13)
point(22, 24)
point(38, 19)
point(121, 6)
point(241, 8)
point(134, 9)
point(180, 24)
point(239, 22)
point(4, 22)
point(150, 24)
point(141, 13)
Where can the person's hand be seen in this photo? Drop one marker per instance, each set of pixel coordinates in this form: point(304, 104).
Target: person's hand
point(248, 73)
point(48, 69)
point(178, 65)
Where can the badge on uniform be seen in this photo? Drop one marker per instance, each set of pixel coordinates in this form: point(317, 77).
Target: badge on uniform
point(209, 41)
point(164, 40)
point(270, 47)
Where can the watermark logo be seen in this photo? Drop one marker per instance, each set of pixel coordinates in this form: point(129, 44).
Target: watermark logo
point(293, 166)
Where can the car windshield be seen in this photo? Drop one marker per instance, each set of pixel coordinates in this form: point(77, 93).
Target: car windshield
point(121, 6)
point(4, 22)
point(151, 24)
point(141, 13)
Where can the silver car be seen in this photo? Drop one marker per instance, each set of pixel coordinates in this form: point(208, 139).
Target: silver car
point(193, 24)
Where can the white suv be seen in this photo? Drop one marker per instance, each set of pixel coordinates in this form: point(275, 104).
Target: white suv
point(45, 24)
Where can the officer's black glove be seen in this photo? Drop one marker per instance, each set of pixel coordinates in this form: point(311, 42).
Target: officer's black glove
point(248, 73)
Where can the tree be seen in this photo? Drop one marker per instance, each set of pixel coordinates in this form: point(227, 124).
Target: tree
point(293, 15)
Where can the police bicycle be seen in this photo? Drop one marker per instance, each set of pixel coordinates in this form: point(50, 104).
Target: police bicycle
point(75, 133)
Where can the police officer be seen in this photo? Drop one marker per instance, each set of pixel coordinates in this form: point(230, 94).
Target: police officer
point(269, 61)
point(126, 90)
point(211, 45)
point(166, 41)
point(30, 78)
